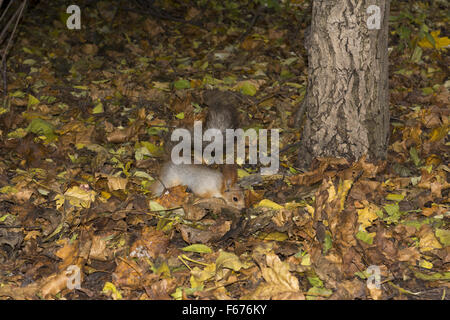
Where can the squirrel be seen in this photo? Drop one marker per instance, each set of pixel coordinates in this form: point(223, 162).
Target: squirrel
point(222, 114)
point(201, 180)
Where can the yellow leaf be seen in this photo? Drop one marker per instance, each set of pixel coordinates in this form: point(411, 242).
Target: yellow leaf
point(117, 183)
point(306, 260)
point(198, 276)
point(110, 289)
point(195, 283)
point(32, 100)
point(199, 248)
point(442, 42)
point(279, 284)
point(106, 195)
point(367, 215)
point(425, 264)
point(310, 210)
point(277, 236)
point(395, 197)
point(438, 134)
point(343, 191)
point(269, 204)
point(331, 192)
point(59, 199)
point(79, 197)
point(242, 173)
point(429, 242)
point(32, 235)
point(230, 261)
point(98, 108)
point(155, 206)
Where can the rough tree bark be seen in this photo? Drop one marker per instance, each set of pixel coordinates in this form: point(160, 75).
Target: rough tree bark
point(347, 100)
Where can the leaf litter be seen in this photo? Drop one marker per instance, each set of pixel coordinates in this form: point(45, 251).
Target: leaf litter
point(83, 137)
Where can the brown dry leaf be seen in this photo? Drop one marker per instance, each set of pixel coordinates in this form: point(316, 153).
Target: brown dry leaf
point(276, 34)
point(213, 204)
point(184, 105)
point(117, 183)
point(427, 212)
point(55, 284)
point(253, 196)
point(193, 212)
point(83, 135)
point(99, 249)
point(89, 49)
point(175, 197)
point(214, 232)
point(32, 235)
point(250, 44)
point(369, 186)
point(279, 284)
point(307, 178)
point(428, 240)
point(119, 135)
point(324, 167)
point(375, 293)
point(23, 195)
point(192, 13)
point(367, 215)
point(282, 217)
point(435, 181)
point(385, 243)
point(350, 289)
point(152, 243)
point(443, 97)
point(161, 290)
point(152, 27)
point(130, 275)
point(19, 293)
point(409, 254)
point(68, 253)
point(127, 134)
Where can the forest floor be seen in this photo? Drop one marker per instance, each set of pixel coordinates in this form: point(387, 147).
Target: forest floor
point(82, 139)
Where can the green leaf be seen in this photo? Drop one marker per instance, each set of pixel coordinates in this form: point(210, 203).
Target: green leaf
point(29, 61)
point(444, 236)
point(427, 91)
point(143, 174)
point(248, 89)
point(417, 55)
point(315, 281)
point(98, 108)
point(316, 291)
point(199, 248)
point(32, 101)
point(154, 131)
point(17, 94)
point(230, 261)
point(182, 84)
point(430, 38)
point(365, 236)
point(393, 211)
point(395, 197)
point(153, 149)
point(414, 156)
point(432, 276)
point(41, 127)
point(4, 217)
point(180, 116)
point(155, 206)
point(327, 243)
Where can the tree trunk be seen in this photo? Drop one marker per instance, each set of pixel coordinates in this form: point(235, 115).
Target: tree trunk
point(347, 102)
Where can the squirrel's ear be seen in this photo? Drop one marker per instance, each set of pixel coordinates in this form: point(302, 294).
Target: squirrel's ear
point(230, 175)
